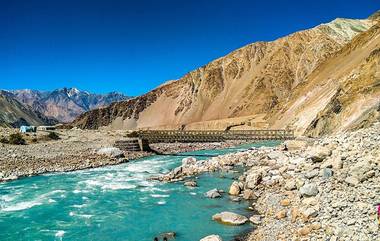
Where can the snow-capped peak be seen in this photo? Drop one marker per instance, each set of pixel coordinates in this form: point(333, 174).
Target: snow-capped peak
point(73, 91)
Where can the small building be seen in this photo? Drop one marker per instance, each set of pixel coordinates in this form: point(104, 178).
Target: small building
point(25, 129)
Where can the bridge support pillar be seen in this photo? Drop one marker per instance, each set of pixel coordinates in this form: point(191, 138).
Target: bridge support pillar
point(144, 145)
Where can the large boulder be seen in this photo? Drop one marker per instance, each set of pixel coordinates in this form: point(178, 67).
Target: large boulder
point(110, 152)
point(334, 162)
point(177, 171)
point(230, 218)
point(255, 219)
point(212, 238)
point(319, 153)
point(248, 194)
point(277, 155)
point(167, 235)
point(190, 183)
point(292, 145)
point(214, 193)
point(188, 161)
point(254, 177)
point(234, 189)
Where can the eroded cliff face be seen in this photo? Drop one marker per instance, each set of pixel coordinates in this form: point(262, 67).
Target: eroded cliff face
point(256, 80)
point(342, 93)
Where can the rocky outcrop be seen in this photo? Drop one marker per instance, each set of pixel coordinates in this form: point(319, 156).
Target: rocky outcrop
point(266, 72)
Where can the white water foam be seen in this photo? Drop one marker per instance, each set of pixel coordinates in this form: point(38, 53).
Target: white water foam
point(21, 206)
point(159, 195)
point(86, 216)
point(79, 205)
point(162, 202)
point(7, 198)
point(40, 200)
point(118, 186)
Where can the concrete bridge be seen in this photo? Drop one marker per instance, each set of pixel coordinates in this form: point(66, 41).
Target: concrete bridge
point(143, 138)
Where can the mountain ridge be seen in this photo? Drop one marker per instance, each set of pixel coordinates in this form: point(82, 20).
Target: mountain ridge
point(65, 104)
point(250, 81)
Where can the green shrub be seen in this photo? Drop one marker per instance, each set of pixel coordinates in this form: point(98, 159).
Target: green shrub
point(4, 140)
point(53, 136)
point(16, 139)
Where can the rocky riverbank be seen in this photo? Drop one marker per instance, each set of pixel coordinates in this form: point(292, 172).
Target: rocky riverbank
point(75, 150)
point(326, 189)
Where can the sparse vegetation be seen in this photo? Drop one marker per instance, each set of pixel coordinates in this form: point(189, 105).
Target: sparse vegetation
point(53, 136)
point(16, 139)
point(4, 140)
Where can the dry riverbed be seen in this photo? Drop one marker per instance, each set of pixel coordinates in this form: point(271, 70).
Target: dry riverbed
point(76, 149)
point(325, 189)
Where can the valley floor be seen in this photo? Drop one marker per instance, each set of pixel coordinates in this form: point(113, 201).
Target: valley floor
point(75, 150)
point(327, 189)
point(324, 189)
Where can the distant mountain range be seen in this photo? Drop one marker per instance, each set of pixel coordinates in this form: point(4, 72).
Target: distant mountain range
point(14, 113)
point(62, 105)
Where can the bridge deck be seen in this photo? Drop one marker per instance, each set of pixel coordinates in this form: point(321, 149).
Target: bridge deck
point(168, 136)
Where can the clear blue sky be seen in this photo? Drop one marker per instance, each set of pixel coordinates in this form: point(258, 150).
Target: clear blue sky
point(133, 46)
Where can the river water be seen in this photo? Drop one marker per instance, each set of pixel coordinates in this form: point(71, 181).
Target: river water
point(118, 203)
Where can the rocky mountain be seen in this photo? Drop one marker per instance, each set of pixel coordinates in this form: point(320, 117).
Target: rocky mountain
point(67, 103)
point(14, 114)
point(292, 82)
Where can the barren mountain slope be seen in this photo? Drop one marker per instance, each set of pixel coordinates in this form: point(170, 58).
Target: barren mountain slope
point(342, 93)
point(13, 113)
point(254, 80)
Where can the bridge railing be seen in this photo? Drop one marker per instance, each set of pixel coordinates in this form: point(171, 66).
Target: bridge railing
point(213, 135)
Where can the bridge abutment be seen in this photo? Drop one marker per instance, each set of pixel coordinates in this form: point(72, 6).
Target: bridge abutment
point(133, 144)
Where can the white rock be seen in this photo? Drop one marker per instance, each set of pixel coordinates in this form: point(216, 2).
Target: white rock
point(255, 219)
point(212, 238)
point(234, 189)
point(353, 181)
point(189, 161)
point(309, 190)
point(290, 185)
point(230, 218)
point(214, 193)
point(310, 212)
point(111, 152)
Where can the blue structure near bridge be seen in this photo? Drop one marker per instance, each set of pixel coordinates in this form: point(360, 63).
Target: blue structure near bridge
point(25, 129)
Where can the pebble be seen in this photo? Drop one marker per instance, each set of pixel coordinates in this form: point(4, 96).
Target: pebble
point(309, 190)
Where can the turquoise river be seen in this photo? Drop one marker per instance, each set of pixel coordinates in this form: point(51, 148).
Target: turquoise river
point(118, 203)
